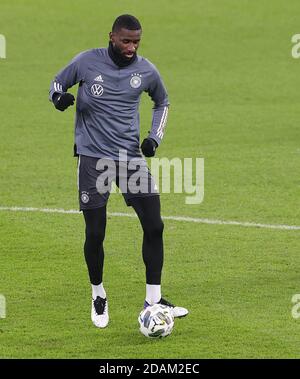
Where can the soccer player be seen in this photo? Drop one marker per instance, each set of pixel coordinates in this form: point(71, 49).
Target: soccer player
point(111, 82)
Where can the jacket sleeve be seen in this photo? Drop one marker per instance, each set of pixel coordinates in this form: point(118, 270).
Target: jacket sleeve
point(67, 77)
point(158, 94)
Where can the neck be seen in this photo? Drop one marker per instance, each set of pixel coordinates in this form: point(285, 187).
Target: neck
point(118, 58)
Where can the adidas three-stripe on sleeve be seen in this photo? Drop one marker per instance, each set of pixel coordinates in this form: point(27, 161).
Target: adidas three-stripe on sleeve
point(158, 94)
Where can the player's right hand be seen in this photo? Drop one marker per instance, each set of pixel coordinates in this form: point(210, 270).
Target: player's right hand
point(63, 100)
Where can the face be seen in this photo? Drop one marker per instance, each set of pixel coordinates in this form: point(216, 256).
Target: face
point(126, 42)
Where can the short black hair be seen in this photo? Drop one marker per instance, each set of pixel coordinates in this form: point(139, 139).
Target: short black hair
point(126, 21)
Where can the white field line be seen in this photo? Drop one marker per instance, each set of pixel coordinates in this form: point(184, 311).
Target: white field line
point(172, 218)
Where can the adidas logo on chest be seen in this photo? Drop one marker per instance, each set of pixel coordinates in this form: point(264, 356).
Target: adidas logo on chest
point(98, 79)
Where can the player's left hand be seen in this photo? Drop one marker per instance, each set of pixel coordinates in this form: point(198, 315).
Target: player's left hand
point(148, 147)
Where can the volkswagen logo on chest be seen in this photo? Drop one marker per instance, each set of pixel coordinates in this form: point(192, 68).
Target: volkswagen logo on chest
point(97, 90)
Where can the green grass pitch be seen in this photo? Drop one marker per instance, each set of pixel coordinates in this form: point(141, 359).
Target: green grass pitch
point(234, 93)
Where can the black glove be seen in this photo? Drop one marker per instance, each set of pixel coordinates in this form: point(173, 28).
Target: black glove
point(63, 100)
point(148, 147)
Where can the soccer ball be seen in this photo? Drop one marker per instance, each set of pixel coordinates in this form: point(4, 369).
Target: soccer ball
point(156, 321)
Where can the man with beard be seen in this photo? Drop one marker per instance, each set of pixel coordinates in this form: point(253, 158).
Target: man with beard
point(111, 82)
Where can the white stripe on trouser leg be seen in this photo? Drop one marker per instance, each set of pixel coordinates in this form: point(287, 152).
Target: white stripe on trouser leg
point(78, 166)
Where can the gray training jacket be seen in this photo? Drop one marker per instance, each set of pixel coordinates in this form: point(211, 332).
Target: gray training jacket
point(107, 104)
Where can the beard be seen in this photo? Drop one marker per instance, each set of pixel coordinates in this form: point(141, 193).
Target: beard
point(118, 52)
point(118, 57)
